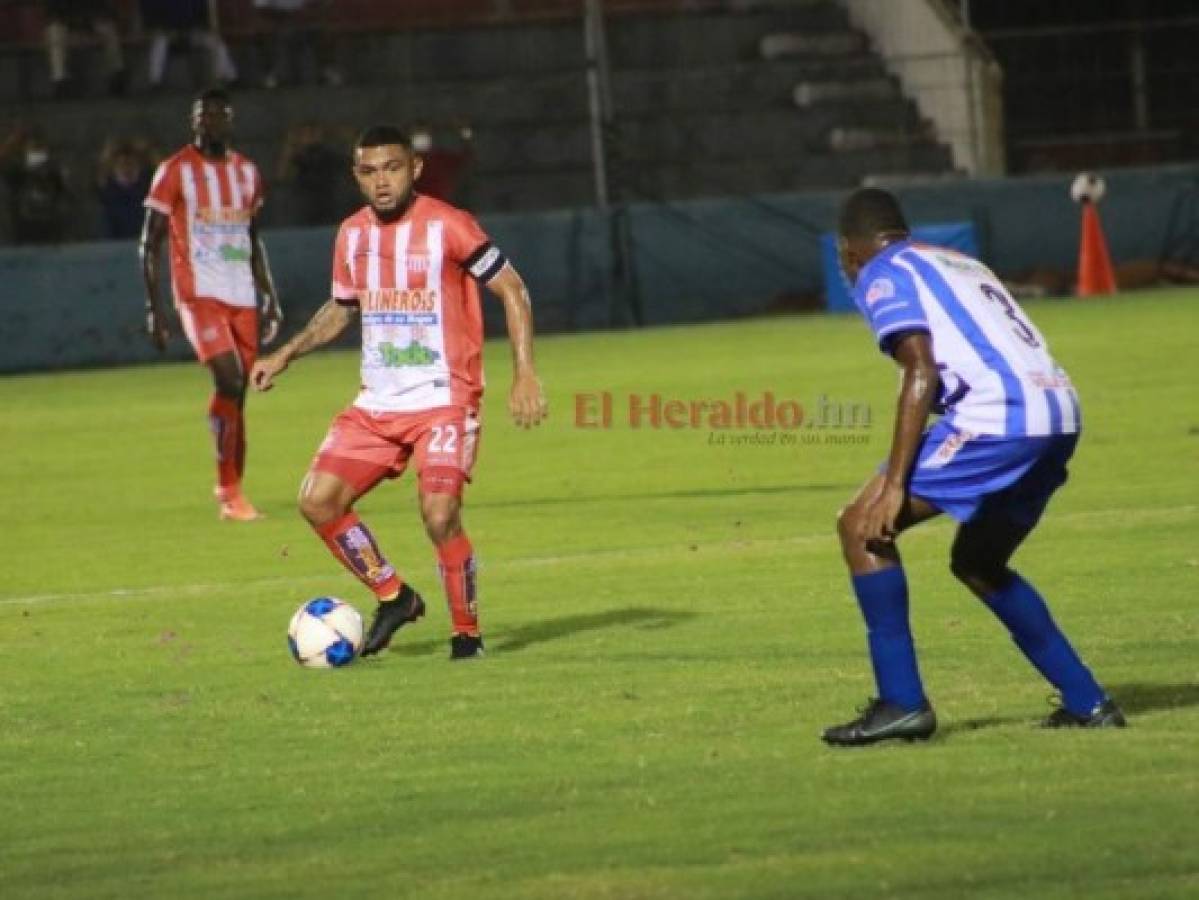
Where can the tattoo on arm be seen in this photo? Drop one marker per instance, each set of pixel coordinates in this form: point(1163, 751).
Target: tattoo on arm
point(325, 325)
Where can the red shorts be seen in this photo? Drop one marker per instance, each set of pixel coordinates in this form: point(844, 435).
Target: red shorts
point(362, 448)
point(214, 328)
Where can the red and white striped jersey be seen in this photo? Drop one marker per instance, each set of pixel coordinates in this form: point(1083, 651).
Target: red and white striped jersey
point(414, 281)
point(210, 204)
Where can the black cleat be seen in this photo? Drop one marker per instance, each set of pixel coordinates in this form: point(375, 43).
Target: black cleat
point(390, 617)
point(1105, 715)
point(466, 646)
point(883, 721)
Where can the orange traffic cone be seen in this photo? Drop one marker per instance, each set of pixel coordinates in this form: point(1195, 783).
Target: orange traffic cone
point(1095, 273)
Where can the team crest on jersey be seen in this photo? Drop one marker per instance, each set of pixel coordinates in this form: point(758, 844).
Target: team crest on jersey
point(880, 289)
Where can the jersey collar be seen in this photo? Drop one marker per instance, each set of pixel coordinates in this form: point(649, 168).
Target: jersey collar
point(884, 256)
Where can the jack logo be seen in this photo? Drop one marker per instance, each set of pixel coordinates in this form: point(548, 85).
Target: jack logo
point(415, 354)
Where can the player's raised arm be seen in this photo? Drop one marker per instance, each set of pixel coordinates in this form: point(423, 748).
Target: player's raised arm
point(526, 400)
point(272, 311)
point(325, 325)
point(149, 248)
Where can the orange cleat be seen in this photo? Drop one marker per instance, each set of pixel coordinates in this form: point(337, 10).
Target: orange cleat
point(236, 508)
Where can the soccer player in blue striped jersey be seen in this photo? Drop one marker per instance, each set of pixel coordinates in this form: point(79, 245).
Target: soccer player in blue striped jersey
point(1010, 420)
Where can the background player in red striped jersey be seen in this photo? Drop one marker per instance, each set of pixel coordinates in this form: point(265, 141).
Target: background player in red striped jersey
point(410, 265)
point(207, 197)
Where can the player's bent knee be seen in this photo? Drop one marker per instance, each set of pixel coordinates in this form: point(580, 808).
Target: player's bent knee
point(441, 515)
point(316, 511)
point(441, 523)
point(977, 572)
point(233, 388)
point(320, 507)
point(847, 520)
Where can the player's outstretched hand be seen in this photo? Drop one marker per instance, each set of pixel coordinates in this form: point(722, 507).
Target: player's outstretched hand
point(157, 329)
point(272, 318)
point(527, 401)
point(262, 376)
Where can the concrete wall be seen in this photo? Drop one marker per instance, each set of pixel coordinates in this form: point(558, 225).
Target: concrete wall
point(81, 304)
point(946, 70)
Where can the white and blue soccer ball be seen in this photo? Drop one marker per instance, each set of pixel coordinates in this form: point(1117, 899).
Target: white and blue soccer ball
point(325, 633)
point(1088, 188)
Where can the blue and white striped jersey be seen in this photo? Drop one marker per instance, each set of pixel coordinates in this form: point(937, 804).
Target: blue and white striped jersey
point(997, 377)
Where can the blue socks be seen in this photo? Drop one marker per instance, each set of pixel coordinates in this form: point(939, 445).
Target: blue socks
point(883, 598)
point(1023, 611)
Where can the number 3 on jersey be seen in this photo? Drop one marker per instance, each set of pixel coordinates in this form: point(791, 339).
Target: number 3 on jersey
point(1020, 326)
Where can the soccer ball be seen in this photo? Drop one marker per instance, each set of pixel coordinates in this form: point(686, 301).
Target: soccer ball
point(325, 632)
point(1088, 188)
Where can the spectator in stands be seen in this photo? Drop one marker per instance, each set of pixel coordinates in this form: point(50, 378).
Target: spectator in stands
point(445, 164)
point(184, 22)
point(63, 16)
point(122, 182)
point(316, 169)
point(290, 30)
point(37, 188)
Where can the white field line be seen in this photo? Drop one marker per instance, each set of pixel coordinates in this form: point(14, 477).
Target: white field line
point(1124, 516)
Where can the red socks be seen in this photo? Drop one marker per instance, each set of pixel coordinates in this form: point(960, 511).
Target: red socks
point(351, 542)
point(228, 431)
point(354, 546)
point(458, 575)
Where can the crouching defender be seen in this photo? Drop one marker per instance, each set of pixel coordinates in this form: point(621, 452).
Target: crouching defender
point(1010, 423)
point(411, 266)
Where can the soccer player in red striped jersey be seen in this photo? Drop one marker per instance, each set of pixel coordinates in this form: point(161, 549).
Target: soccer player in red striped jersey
point(410, 266)
point(207, 197)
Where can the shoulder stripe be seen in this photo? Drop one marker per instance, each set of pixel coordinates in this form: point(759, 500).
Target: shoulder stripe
point(234, 186)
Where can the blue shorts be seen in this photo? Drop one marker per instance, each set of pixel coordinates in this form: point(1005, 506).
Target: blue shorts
point(962, 475)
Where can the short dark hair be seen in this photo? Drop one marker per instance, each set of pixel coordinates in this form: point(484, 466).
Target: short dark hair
point(871, 211)
point(383, 136)
point(220, 95)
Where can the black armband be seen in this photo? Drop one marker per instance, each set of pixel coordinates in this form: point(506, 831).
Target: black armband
point(485, 263)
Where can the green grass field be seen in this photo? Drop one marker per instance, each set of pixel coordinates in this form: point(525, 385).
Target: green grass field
point(669, 627)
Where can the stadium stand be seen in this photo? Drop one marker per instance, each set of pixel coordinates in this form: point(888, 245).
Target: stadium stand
point(1105, 83)
point(730, 98)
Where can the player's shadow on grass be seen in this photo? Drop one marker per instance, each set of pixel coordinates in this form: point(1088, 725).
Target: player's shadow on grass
point(1138, 697)
point(1133, 698)
point(544, 630)
point(958, 726)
